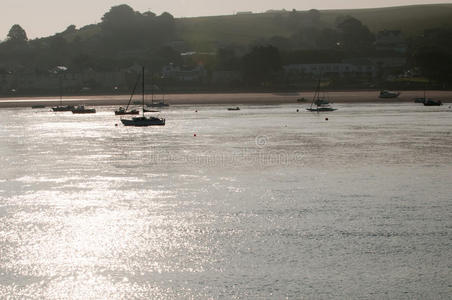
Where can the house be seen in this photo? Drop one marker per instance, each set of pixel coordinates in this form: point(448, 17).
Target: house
point(178, 73)
point(391, 40)
point(353, 68)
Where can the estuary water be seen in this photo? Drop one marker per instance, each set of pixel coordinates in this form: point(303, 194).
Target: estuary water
point(261, 203)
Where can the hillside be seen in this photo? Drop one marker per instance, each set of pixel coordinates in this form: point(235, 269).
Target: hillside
point(205, 33)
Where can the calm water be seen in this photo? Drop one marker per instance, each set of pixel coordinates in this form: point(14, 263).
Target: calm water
point(261, 203)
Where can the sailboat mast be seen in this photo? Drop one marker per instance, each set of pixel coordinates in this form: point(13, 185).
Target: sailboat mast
point(61, 91)
point(142, 87)
point(317, 90)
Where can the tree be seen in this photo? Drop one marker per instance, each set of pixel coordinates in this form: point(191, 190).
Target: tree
point(433, 54)
point(17, 34)
point(354, 35)
point(227, 59)
point(118, 17)
point(261, 64)
point(70, 29)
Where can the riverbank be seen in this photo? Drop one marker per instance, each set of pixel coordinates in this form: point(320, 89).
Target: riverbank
point(226, 98)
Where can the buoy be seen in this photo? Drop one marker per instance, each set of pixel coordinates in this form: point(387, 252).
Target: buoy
point(196, 111)
point(326, 119)
point(116, 125)
point(194, 134)
point(298, 110)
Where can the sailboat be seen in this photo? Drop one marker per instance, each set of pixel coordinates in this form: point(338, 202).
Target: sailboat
point(61, 107)
point(123, 111)
point(82, 110)
point(160, 103)
point(143, 121)
point(428, 101)
point(321, 104)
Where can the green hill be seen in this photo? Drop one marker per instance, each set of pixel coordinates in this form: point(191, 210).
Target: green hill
point(205, 33)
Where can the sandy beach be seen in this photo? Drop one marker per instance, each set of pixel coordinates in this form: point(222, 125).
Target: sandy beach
point(226, 98)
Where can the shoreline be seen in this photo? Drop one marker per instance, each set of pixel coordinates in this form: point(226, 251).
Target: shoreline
point(227, 98)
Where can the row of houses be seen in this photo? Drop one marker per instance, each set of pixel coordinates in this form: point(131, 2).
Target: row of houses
point(117, 81)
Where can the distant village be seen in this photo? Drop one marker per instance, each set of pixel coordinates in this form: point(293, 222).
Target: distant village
point(348, 56)
point(173, 76)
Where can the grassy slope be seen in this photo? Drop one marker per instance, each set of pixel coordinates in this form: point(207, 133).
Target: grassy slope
point(410, 19)
point(204, 33)
point(207, 33)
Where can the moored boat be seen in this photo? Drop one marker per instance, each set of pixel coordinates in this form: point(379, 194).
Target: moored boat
point(389, 94)
point(427, 101)
point(319, 104)
point(431, 102)
point(63, 108)
point(82, 110)
point(143, 121)
point(123, 111)
point(234, 108)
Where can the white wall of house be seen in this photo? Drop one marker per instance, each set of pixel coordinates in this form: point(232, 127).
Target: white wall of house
point(339, 69)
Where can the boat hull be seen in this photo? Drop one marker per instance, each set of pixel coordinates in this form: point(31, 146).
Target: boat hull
point(122, 113)
point(321, 109)
point(433, 103)
point(143, 122)
point(86, 111)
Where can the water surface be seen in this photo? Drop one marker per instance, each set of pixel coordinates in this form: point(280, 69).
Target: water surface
point(261, 203)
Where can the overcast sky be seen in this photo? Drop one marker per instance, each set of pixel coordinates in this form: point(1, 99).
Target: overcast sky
point(45, 17)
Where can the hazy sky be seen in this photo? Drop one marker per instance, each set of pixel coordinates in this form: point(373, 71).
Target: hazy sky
point(46, 17)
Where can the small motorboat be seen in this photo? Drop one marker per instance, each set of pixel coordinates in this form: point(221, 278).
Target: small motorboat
point(389, 94)
point(63, 108)
point(234, 108)
point(82, 110)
